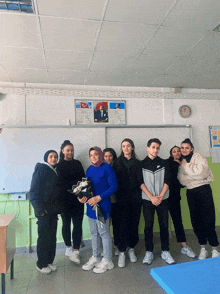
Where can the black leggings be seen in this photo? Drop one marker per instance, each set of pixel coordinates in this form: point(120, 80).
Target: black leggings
point(202, 212)
point(128, 222)
point(77, 219)
point(175, 212)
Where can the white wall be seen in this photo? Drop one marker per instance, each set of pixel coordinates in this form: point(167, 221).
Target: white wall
point(38, 110)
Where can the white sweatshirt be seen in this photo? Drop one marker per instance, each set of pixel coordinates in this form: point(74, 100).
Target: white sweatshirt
point(196, 173)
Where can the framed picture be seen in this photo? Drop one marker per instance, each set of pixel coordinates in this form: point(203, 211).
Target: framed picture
point(100, 112)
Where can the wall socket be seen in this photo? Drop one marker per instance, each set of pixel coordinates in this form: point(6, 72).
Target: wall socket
point(19, 196)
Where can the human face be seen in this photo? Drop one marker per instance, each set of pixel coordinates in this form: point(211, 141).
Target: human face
point(94, 156)
point(108, 157)
point(101, 107)
point(153, 150)
point(68, 152)
point(127, 149)
point(186, 149)
point(176, 153)
point(52, 158)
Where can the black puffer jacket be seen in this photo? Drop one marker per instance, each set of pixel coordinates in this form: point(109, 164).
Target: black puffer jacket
point(129, 181)
point(44, 194)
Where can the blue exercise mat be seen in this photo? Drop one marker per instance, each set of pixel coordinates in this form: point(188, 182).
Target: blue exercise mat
point(195, 277)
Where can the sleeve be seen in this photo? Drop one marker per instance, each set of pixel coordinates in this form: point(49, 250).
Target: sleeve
point(197, 168)
point(112, 183)
point(140, 178)
point(167, 177)
point(38, 185)
point(81, 171)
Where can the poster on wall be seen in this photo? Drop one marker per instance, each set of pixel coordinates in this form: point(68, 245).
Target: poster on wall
point(100, 112)
point(215, 143)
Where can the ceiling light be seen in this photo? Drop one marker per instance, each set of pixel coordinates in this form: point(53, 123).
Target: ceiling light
point(25, 6)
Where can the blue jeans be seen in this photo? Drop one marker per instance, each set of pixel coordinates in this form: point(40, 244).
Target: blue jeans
point(101, 233)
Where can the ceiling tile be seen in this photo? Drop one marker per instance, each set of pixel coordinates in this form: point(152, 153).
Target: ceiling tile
point(27, 75)
point(59, 33)
point(154, 63)
point(72, 9)
point(124, 37)
point(208, 46)
point(21, 30)
point(200, 14)
point(178, 40)
point(63, 59)
point(136, 11)
point(22, 57)
point(111, 61)
point(66, 77)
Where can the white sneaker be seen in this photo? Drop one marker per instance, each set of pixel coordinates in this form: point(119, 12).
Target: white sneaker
point(75, 257)
point(167, 257)
point(203, 254)
point(116, 251)
point(148, 257)
point(52, 267)
point(121, 259)
point(103, 266)
point(44, 270)
point(215, 253)
point(93, 261)
point(132, 256)
point(69, 251)
point(188, 251)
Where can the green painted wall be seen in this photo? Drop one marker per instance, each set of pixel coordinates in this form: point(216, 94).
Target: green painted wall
point(26, 222)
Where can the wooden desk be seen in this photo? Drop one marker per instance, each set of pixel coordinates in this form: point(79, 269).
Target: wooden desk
point(7, 245)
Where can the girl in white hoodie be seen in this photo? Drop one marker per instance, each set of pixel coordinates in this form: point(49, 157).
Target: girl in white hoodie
point(194, 173)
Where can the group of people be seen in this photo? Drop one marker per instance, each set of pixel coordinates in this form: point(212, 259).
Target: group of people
point(121, 187)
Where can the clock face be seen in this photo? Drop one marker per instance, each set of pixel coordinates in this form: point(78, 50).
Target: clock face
point(185, 111)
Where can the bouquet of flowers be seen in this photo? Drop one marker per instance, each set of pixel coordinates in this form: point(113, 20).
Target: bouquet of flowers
point(84, 189)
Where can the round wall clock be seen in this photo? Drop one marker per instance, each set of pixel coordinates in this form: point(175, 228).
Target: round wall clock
point(185, 111)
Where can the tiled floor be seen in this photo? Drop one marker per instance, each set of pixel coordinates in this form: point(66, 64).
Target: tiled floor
point(70, 278)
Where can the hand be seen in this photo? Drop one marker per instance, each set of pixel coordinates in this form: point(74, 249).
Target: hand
point(94, 200)
point(82, 200)
point(160, 197)
point(177, 160)
point(156, 200)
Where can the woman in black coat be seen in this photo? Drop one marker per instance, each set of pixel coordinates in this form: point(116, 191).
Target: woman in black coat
point(70, 171)
point(128, 200)
point(43, 197)
point(174, 201)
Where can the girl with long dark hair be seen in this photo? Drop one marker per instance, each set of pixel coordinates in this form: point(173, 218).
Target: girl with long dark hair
point(70, 171)
point(128, 200)
point(194, 173)
point(174, 201)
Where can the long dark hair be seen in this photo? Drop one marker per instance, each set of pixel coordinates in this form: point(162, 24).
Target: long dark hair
point(112, 151)
point(65, 143)
point(133, 155)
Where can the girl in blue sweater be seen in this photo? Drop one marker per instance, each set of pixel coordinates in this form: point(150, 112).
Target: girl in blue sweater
point(104, 183)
